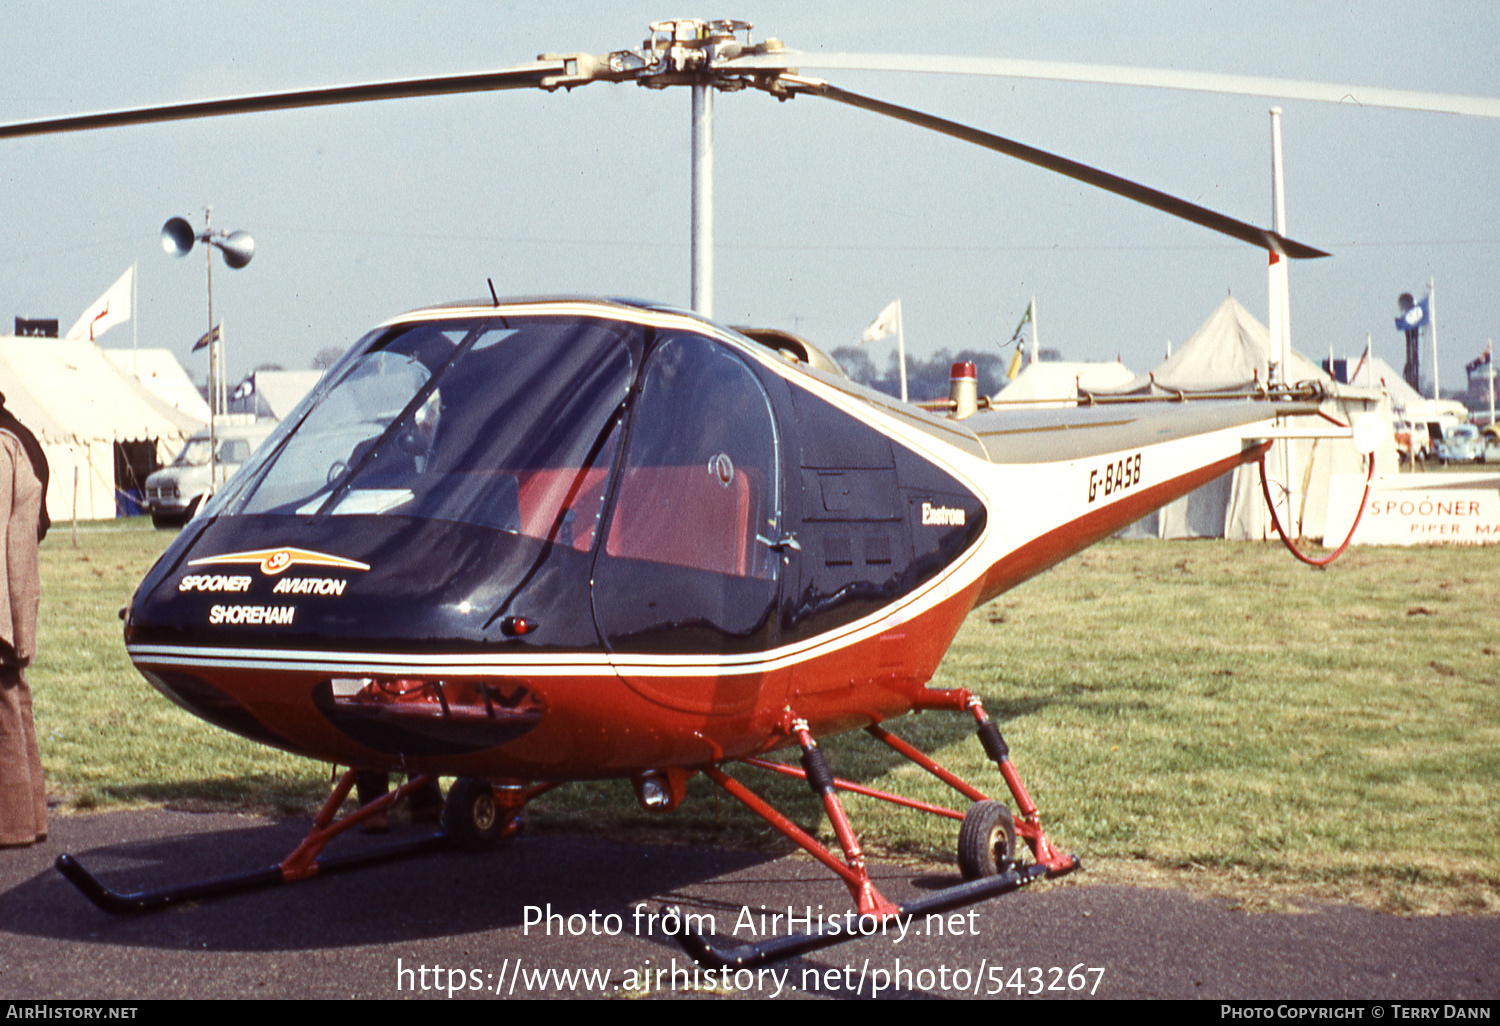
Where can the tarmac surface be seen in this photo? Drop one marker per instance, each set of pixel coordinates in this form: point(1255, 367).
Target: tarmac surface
point(455, 923)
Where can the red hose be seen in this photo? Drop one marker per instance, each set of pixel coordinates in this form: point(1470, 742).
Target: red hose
point(1265, 489)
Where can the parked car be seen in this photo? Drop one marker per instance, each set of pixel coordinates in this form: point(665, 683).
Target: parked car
point(175, 492)
point(1491, 435)
point(1461, 443)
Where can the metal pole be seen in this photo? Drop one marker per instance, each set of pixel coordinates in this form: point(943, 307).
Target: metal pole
point(1491, 350)
point(1437, 391)
point(213, 376)
point(1278, 287)
point(1035, 351)
point(901, 349)
point(703, 200)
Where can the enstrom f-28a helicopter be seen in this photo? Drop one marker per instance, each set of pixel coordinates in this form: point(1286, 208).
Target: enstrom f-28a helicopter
point(535, 541)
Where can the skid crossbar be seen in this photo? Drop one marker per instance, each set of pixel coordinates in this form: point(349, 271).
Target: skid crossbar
point(861, 789)
point(958, 784)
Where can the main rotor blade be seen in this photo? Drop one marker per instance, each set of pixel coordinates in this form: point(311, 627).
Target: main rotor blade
point(1107, 74)
point(529, 75)
point(1259, 237)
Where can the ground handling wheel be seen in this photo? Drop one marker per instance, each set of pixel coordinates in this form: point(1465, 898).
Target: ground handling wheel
point(471, 818)
point(986, 841)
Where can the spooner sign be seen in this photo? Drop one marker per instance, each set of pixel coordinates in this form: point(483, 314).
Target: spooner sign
point(1398, 513)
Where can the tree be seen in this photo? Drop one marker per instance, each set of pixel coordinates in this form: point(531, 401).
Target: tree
point(856, 363)
point(925, 379)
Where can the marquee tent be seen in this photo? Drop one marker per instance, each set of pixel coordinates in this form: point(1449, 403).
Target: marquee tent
point(1231, 351)
point(160, 374)
point(272, 393)
point(1407, 402)
point(1376, 373)
point(97, 425)
point(1046, 380)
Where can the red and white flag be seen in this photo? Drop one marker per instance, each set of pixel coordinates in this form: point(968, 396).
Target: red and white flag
point(108, 310)
point(1364, 359)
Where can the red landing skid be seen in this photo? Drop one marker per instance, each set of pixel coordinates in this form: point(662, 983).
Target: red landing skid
point(986, 843)
point(299, 865)
point(481, 812)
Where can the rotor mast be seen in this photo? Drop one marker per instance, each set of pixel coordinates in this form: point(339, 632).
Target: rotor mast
point(702, 245)
point(687, 51)
point(690, 52)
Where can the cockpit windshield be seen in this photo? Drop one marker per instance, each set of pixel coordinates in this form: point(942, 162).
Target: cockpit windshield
point(507, 423)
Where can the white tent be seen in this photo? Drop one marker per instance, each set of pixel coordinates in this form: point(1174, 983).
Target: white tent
point(1376, 373)
point(1405, 400)
point(82, 407)
point(1061, 381)
point(160, 374)
point(1231, 351)
point(272, 393)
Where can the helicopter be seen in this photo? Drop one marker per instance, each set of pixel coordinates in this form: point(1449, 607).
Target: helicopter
point(522, 542)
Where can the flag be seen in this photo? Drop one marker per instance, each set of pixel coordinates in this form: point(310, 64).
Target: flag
point(1363, 359)
point(1483, 358)
point(108, 310)
point(885, 324)
point(207, 337)
point(246, 389)
point(1413, 318)
point(1025, 320)
point(1015, 365)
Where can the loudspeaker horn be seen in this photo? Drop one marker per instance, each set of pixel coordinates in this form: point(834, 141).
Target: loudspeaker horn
point(177, 237)
point(238, 248)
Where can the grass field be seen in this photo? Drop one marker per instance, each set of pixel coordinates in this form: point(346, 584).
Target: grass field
point(1202, 713)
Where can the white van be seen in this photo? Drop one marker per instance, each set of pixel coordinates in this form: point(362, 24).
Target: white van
point(175, 492)
point(1412, 441)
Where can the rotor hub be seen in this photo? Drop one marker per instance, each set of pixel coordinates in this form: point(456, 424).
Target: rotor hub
point(680, 51)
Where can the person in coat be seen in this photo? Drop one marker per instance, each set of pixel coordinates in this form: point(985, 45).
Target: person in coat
point(23, 514)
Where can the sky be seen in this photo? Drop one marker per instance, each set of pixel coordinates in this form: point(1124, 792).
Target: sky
point(823, 213)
